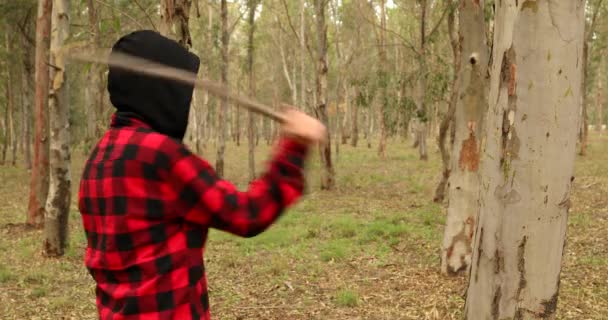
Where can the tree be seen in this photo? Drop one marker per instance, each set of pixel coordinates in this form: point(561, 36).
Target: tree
point(95, 89)
point(589, 32)
point(421, 112)
point(58, 202)
point(448, 120)
point(470, 110)
point(528, 160)
point(39, 183)
point(221, 128)
point(9, 118)
point(383, 79)
point(175, 19)
point(327, 178)
point(250, 58)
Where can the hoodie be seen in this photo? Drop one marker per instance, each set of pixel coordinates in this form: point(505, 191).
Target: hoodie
point(162, 104)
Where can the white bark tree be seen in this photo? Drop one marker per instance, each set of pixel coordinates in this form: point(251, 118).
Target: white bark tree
point(527, 160)
point(471, 106)
point(58, 201)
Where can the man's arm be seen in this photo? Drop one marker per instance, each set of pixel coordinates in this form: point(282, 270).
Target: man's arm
point(208, 200)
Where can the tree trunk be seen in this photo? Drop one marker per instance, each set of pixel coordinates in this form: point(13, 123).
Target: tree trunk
point(383, 79)
point(327, 176)
point(448, 121)
point(26, 118)
point(250, 58)
point(599, 103)
point(93, 94)
point(39, 183)
point(221, 127)
point(584, 127)
point(26, 97)
point(468, 122)
point(175, 18)
point(421, 127)
point(354, 131)
point(344, 134)
point(5, 140)
point(10, 104)
point(303, 55)
point(528, 160)
point(58, 202)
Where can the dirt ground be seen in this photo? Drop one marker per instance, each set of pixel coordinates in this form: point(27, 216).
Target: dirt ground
point(367, 250)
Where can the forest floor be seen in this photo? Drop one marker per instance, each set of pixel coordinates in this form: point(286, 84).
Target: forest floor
point(367, 250)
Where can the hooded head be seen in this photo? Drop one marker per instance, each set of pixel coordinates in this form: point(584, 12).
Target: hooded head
point(162, 104)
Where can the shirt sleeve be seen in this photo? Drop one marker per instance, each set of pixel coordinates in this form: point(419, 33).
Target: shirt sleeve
point(205, 199)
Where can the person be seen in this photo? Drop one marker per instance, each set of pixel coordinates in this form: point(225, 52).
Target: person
point(147, 202)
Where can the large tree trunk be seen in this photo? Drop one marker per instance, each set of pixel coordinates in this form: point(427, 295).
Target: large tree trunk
point(470, 110)
point(327, 176)
point(250, 58)
point(528, 160)
point(383, 79)
point(448, 121)
point(39, 183)
point(58, 202)
point(221, 127)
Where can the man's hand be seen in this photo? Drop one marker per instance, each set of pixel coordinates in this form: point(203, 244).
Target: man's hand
point(303, 128)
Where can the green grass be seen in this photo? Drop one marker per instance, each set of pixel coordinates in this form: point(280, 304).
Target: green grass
point(347, 298)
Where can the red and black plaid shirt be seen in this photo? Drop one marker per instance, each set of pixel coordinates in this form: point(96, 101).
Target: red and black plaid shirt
point(147, 203)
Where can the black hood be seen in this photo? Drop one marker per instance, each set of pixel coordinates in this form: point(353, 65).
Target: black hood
point(162, 104)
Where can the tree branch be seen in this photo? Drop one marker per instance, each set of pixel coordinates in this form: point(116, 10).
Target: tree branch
point(146, 13)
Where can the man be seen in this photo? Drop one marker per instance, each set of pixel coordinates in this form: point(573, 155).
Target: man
point(147, 202)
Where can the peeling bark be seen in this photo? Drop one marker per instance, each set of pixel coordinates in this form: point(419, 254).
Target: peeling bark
point(469, 113)
point(39, 183)
point(58, 201)
point(535, 91)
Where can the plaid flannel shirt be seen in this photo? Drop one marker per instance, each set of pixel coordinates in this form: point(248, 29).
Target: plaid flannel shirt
point(147, 203)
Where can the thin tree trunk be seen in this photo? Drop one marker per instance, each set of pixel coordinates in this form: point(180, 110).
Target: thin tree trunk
point(10, 102)
point(39, 183)
point(4, 138)
point(95, 88)
point(468, 122)
point(584, 127)
point(383, 78)
point(344, 134)
point(221, 128)
point(58, 202)
point(303, 55)
point(26, 119)
point(250, 58)
point(327, 176)
point(599, 103)
point(528, 161)
point(370, 124)
point(421, 128)
point(449, 118)
point(354, 131)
